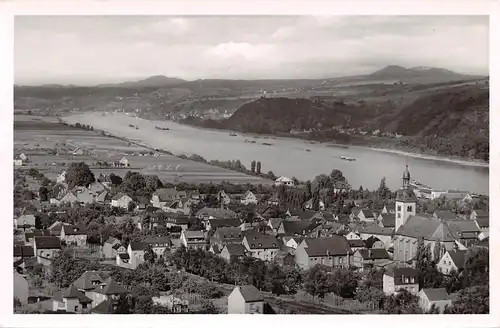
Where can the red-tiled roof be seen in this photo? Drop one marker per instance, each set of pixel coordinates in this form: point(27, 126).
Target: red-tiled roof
point(327, 246)
point(47, 242)
point(250, 294)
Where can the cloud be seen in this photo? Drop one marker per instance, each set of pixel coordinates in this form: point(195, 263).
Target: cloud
point(101, 49)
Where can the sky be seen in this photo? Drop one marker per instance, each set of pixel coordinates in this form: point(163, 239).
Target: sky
point(86, 50)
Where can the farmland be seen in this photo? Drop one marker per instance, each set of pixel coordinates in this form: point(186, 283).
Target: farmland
point(50, 147)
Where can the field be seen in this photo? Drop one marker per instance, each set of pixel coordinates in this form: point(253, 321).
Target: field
point(50, 146)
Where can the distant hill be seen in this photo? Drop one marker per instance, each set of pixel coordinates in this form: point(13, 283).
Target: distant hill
point(157, 81)
point(433, 73)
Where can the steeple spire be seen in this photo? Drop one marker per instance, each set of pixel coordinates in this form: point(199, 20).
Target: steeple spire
point(406, 178)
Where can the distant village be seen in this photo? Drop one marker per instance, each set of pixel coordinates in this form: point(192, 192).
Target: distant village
point(131, 244)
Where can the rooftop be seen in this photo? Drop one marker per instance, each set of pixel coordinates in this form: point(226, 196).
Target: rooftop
point(250, 293)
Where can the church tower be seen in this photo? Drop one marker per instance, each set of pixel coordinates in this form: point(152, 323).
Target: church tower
point(405, 201)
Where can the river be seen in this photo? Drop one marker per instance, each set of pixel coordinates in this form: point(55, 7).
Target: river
point(289, 157)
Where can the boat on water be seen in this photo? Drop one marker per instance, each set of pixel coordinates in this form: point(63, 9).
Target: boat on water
point(417, 184)
point(232, 134)
point(345, 158)
point(267, 144)
point(160, 128)
point(308, 150)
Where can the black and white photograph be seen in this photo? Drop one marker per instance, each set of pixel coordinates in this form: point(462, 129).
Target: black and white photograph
point(251, 164)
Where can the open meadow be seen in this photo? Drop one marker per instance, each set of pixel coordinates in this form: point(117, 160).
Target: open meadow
point(51, 147)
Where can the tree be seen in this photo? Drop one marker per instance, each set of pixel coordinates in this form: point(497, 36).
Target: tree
point(116, 180)
point(336, 176)
point(79, 174)
point(315, 201)
point(383, 192)
point(343, 282)
point(316, 282)
point(149, 255)
point(43, 193)
point(66, 269)
point(308, 189)
point(476, 268)
point(259, 167)
point(252, 167)
point(402, 303)
point(472, 300)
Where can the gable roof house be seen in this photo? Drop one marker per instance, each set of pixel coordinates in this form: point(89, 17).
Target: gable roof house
point(227, 235)
point(479, 214)
point(89, 280)
point(73, 235)
point(193, 239)
point(25, 222)
point(111, 247)
point(273, 201)
point(434, 296)
point(396, 279)
point(208, 213)
point(369, 258)
point(296, 228)
point(121, 200)
point(366, 215)
point(248, 198)
point(215, 224)
point(453, 260)
point(164, 196)
point(445, 215)
point(245, 300)
point(45, 248)
point(331, 251)
point(106, 290)
point(387, 220)
point(264, 247)
point(465, 231)
point(71, 300)
point(231, 251)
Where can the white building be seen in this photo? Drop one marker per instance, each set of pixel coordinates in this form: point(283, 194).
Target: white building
point(284, 181)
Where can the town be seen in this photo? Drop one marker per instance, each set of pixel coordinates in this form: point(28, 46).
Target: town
point(108, 244)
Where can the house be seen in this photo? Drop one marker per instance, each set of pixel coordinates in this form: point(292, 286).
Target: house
point(23, 157)
point(274, 224)
point(159, 244)
point(73, 235)
point(106, 290)
point(479, 214)
point(223, 198)
point(293, 242)
point(245, 300)
point(264, 247)
point(45, 248)
point(176, 220)
point(112, 247)
point(284, 181)
point(30, 236)
point(248, 198)
point(61, 177)
point(227, 235)
point(368, 258)
point(163, 197)
point(455, 194)
point(374, 243)
point(135, 252)
point(195, 196)
point(387, 220)
point(366, 215)
point(193, 239)
point(465, 231)
point(121, 200)
point(68, 198)
point(172, 303)
point(124, 162)
point(23, 252)
point(296, 228)
point(434, 296)
point(273, 201)
point(18, 162)
point(356, 244)
point(231, 251)
point(214, 224)
point(373, 230)
point(396, 279)
point(444, 215)
point(452, 260)
point(102, 198)
point(71, 300)
point(343, 219)
point(310, 206)
point(25, 222)
point(208, 213)
point(331, 251)
point(78, 151)
point(21, 288)
point(89, 280)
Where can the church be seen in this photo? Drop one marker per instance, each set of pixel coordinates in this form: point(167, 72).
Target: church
point(411, 226)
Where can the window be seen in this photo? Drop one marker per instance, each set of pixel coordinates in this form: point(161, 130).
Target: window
point(84, 306)
point(340, 260)
point(409, 208)
point(399, 215)
point(76, 308)
point(399, 208)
